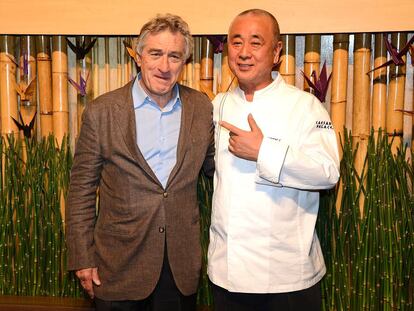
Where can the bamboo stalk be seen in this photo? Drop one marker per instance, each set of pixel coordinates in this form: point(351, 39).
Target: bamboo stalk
point(217, 60)
point(396, 94)
point(8, 95)
point(28, 102)
point(84, 70)
point(182, 79)
point(107, 67)
point(197, 62)
point(379, 93)
point(60, 88)
point(190, 73)
point(361, 99)
point(287, 66)
point(228, 79)
point(119, 62)
point(339, 95)
point(339, 85)
point(44, 64)
point(95, 69)
point(312, 57)
point(128, 63)
point(412, 98)
point(207, 64)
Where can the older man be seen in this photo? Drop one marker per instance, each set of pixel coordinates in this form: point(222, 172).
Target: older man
point(142, 146)
point(271, 158)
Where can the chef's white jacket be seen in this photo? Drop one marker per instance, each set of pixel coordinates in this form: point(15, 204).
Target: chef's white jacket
point(262, 234)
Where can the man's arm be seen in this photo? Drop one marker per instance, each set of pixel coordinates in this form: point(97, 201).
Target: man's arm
point(81, 208)
point(314, 164)
point(311, 164)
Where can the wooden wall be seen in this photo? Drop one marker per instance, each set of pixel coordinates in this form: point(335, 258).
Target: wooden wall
point(124, 17)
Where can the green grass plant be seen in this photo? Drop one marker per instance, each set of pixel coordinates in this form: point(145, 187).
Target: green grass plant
point(369, 256)
point(34, 182)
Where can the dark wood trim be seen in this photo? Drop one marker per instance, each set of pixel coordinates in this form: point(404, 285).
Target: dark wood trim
point(26, 303)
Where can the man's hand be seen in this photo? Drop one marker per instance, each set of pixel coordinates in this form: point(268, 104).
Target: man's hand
point(88, 277)
point(244, 144)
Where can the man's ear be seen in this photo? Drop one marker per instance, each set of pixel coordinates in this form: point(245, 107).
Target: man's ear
point(277, 52)
point(138, 59)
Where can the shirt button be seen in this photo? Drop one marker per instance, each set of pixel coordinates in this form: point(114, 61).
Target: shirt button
point(165, 194)
point(161, 229)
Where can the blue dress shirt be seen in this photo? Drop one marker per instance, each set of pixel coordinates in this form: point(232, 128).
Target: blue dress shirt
point(157, 130)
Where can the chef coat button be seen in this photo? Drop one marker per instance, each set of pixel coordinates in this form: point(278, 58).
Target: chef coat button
point(161, 229)
point(165, 194)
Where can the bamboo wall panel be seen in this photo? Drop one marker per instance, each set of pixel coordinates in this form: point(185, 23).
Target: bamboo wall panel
point(287, 67)
point(8, 94)
point(379, 94)
point(44, 65)
point(396, 94)
point(312, 57)
point(109, 66)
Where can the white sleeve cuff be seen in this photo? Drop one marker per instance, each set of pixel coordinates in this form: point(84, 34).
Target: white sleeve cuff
point(271, 157)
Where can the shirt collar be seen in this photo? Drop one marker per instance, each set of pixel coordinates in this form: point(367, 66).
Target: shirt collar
point(140, 97)
point(277, 81)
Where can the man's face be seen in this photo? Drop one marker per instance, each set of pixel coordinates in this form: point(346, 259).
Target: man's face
point(252, 51)
point(161, 62)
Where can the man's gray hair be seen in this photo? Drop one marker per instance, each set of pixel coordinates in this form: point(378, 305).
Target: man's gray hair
point(170, 22)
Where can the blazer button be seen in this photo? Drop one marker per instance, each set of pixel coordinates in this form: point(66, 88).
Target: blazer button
point(165, 194)
point(161, 229)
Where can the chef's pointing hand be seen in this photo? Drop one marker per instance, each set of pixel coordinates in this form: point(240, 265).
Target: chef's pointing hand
point(244, 144)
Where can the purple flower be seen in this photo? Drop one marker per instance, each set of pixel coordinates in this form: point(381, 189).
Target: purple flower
point(81, 86)
point(217, 42)
point(321, 85)
point(396, 57)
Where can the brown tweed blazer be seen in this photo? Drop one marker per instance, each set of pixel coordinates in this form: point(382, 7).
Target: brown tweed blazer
point(125, 239)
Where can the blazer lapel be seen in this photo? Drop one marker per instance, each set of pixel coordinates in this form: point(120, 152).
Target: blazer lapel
point(125, 117)
point(184, 137)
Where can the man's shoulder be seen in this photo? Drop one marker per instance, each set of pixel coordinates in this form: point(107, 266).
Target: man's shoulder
point(192, 94)
point(304, 101)
point(108, 99)
point(291, 90)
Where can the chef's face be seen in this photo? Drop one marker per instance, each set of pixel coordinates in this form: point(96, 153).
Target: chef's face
point(253, 50)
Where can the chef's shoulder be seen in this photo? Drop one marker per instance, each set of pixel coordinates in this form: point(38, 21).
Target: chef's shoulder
point(305, 101)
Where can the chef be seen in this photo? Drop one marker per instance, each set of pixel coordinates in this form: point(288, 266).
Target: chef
point(275, 148)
